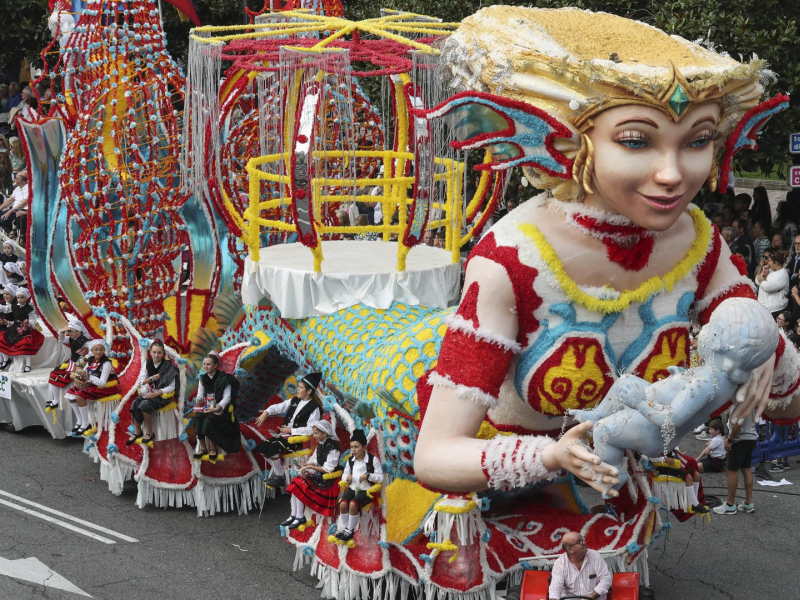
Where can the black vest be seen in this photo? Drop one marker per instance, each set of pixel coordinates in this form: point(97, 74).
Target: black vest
point(303, 416)
point(324, 449)
point(20, 312)
point(75, 345)
point(370, 464)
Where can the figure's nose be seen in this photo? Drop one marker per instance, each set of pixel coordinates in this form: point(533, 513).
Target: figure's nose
point(669, 173)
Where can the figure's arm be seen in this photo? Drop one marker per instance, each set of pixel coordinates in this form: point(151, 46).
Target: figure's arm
point(474, 359)
point(774, 282)
point(556, 589)
point(705, 451)
point(603, 578)
point(226, 396)
point(332, 462)
point(277, 409)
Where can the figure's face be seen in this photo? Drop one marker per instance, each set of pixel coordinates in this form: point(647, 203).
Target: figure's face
point(777, 241)
point(209, 365)
point(73, 333)
point(303, 391)
point(8, 297)
point(357, 449)
point(320, 436)
point(719, 221)
point(13, 89)
point(648, 168)
point(157, 353)
point(7, 249)
point(782, 321)
point(797, 245)
point(21, 298)
point(98, 351)
point(574, 545)
point(758, 231)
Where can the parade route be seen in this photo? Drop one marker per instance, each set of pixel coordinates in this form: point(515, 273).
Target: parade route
point(173, 553)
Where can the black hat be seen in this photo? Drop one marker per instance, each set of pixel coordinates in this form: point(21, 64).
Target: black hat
point(359, 436)
point(312, 380)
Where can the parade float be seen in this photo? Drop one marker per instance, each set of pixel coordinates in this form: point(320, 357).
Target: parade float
point(286, 121)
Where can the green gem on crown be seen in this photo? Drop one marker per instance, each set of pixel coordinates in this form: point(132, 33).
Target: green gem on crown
point(679, 100)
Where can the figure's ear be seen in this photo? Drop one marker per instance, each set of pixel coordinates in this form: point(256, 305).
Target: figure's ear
point(517, 134)
point(744, 135)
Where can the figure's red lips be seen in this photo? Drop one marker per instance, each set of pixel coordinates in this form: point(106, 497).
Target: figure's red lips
point(663, 202)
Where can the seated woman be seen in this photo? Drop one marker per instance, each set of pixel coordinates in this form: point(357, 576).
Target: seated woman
point(77, 338)
point(310, 488)
point(19, 338)
point(214, 421)
point(95, 381)
point(361, 472)
point(156, 390)
point(302, 413)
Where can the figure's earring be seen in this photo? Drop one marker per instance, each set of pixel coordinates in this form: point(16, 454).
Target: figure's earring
point(713, 176)
point(583, 167)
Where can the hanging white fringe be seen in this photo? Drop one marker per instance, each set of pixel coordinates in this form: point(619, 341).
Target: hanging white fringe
point(167, 424)
point(672, 494)
point(201, 114)
point(116, 472)
point(163, 497)
point(464, 514)
point(211, 498)
point(102, 412)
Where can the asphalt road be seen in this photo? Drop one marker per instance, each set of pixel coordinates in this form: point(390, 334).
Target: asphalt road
point(179, 556)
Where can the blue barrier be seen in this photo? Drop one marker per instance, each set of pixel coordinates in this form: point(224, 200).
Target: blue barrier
point(776, 441)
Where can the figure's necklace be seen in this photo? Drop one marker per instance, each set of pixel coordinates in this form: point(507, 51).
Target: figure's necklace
point(627, 244)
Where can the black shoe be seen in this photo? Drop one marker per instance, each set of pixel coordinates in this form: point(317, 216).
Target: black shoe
point(26, 370)
point(339, 534)
point(4, 365)
point(76, 429)
point(346, 535)
point(296, 523)
point(135, 437)
point(287, 522)
point(276, 481)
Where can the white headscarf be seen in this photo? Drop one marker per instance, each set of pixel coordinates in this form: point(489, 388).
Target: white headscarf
point(23, 291)
point(76, 325)
point(92, 343)
point(326, 427)
point(10, 287)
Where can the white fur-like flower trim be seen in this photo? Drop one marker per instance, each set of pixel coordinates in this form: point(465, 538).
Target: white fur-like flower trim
point(703, 303)
point(512, 461)
point(462, 391)
point(787, 370)
point(457, 323)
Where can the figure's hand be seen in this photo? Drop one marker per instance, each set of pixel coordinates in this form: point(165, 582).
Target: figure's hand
point(349, 478)
point(363, 477)
point(261, 418)
point(568, 453)
point(285, 429)
point(156, 377)
point(754, 394)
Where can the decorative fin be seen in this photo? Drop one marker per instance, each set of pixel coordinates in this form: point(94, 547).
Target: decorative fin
point(516, 133)
point(744, 136)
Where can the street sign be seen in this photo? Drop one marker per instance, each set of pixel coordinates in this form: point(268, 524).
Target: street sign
point(794, 143)
point(794, 176)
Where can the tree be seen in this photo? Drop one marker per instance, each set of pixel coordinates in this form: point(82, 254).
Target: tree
point(764, 28)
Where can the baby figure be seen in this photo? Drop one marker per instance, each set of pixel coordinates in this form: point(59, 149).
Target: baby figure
point(651, 418)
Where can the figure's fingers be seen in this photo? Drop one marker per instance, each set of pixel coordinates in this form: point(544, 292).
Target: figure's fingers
point(577, 431)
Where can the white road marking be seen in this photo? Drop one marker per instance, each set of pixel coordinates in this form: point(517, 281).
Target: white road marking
point(55, 521)
point(52, 511)
point(35, 571)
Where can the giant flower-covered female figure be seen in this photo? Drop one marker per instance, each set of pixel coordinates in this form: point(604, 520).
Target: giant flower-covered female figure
point(602, 274)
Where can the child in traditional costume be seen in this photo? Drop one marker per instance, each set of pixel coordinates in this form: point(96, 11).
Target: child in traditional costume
point(94, 381)
point(6, 256)
point(311, 488)
point(156, 389)
point(302, 413)
point(19, 337)
point(214, 422)
point(361, 472)
point(76, 337)
point(9, 301)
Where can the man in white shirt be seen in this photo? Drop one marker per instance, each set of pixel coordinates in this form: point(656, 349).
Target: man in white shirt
point(579, 571)
point(17, 201)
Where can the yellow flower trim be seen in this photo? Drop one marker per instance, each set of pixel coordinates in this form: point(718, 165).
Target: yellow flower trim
point(168, 407)
point(446, 546)
point(332, 475)
point(374, 489)
point(455, 510)
point(299, 439)
point(112, 397)
point(305, 452)
point(649, 288)
point(343, 484)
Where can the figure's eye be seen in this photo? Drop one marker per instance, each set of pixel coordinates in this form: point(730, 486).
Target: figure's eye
point(635, 140)
point(702, 139)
